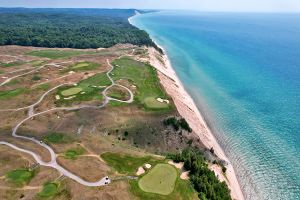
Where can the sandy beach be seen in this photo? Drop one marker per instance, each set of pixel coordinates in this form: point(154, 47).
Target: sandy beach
point(187, 109)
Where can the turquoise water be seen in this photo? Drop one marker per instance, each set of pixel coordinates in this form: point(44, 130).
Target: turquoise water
point(243, 71)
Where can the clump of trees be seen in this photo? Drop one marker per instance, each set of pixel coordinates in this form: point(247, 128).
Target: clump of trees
point(203, 179)
point(177, 123)
point(71, 28)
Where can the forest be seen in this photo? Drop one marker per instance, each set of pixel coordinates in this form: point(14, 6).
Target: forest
point(203, 179)
point(69, 28)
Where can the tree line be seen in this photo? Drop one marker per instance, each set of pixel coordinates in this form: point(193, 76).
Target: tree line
point(69, 28)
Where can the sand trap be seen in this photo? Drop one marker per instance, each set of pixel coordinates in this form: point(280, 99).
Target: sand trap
point(57, 97)
point(177, 165)
point(185, 175)
point(148, 166)
point(140, 171)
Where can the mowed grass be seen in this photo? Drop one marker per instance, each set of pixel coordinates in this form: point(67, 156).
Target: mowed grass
point(74, 153)
point(144, 77)
point(71, 91)
point(9, 94)
point(20, 176)
point(56, 54)
point(49, 190)
point(91, 89)
point(127, 164)
point(160, 180)
point(83, 66)
point(58, 138)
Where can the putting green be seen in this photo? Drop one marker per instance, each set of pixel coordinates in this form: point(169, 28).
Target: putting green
point(160, 180)
point(151, 102)
point(71, 91)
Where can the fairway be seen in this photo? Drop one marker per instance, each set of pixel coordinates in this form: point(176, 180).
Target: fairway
point(56, 54)
point(160, 180)
point(71, 91)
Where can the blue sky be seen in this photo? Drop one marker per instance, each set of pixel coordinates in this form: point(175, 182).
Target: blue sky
point(204, 5)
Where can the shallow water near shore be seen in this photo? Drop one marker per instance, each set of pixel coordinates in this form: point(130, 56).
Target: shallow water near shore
point(243, 71)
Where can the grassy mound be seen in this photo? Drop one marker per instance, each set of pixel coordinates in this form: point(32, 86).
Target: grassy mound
point(57, 138)
point(71, 91)
point(49, 190)
point(56, 54)
point(126, 164)
point(74, 153)
point(144, 77)
point(160, 180)
point(20, 176)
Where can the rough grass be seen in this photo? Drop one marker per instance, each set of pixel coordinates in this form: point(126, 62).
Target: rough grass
point(44, 86)
point(127, 164)
point(57, 138)
point(20, 176)
point(74, 153)
point(12, 64)
point(36, 63)
point(56, 54)
point(49, 190)
point(9, 94)
point(160, 180)
point(71, 91)
point(144, 77)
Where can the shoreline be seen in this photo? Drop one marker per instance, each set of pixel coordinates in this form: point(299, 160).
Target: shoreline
point(188, 109)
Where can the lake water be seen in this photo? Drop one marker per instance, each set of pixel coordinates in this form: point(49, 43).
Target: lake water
point(243, 71)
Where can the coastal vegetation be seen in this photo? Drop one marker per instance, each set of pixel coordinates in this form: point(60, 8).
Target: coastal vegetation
point(203, 179)
point(177, 123)
point(72, 28)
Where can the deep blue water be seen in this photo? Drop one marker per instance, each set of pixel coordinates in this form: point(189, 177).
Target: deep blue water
point(243, 71)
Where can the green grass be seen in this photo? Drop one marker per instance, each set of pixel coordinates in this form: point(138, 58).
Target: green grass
point(92, 88)
point(153, 103)
point(71, 91)
point(44, 86)
point(20, 176)
point(36, 63)
point(58, 138)
point(127, 164)
point(9, 94)
point(144, 77)
point(83, 66)
point(183, 191)
point(74, 153)
point(160, 180)
point(12, 82)
point(12, 64)
point(56, 54)
point(49, 190)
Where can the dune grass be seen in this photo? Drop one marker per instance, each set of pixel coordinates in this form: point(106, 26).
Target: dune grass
point(144, 77)
point(20, 176)
point(12, 64)
point(56, 54)
point(160, 180)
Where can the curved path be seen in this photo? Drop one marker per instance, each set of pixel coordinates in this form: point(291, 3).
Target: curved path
point(52, 163)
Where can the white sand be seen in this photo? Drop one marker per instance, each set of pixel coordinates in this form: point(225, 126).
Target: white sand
point(148, 166)
point(188, 110)
point(177, 165)
point(185, 175)
point(140, 171)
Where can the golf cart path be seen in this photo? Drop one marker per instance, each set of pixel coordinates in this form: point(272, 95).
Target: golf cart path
point(52, 163)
